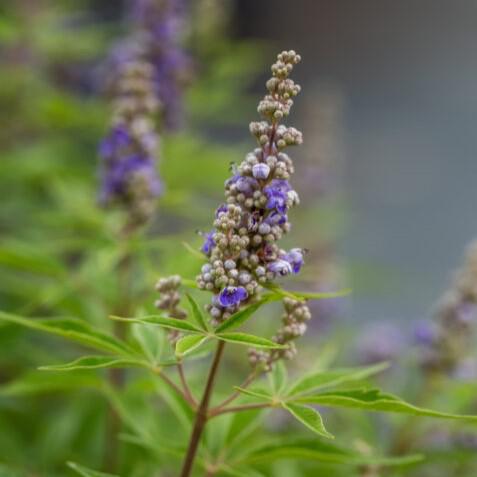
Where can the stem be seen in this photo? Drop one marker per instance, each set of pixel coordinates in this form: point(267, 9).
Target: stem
point(251, 377)
point(187, 392)
point(244, 407)
point(202, 411)
point(176, 388)
point(117, 375)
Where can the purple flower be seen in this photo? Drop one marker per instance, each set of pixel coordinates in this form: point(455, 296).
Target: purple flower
point(220, 209)
point(383, 341)
point(425, 332)
point(280, 267)
point(277, 194)
point(162, 24)
point(246, 185)
point(231, 296)
point(466, 312)
point(209, 242)
point(119, 173)
point(260, 170)
point(276, 218)
point(117, 139)
point(295, 258)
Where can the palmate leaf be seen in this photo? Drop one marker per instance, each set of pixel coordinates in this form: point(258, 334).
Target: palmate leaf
point(72, 329)
point(97, 362)
point(88, 472)
point(151, 340)
point(189, 343)
point(323, 451)
point(375, 400)
point(165, 322)
point(308, 416)
point(325, 379)
point(248, 340)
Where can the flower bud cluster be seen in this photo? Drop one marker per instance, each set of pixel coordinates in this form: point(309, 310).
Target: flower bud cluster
point(450, 340)
point(169, 301)
point(294, 321)
point(129, 150)
point(160, 25)
point(242, 248)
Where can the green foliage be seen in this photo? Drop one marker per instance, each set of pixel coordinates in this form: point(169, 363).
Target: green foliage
point(309, 417)
point(60, 256)
point(87, 472)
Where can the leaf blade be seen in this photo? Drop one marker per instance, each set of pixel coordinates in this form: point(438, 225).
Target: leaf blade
point(197, 313)
point(189, 343)
point(98, 362)
point(85, 472)
point(248, 340)
point(322, 379)
point(241, 316)
point(309, 417)
point(375, 400)
point(73, 329)
point(165, 322)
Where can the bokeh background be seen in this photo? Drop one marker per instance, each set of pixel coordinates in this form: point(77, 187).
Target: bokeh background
point(404, 74)
point(386, 177)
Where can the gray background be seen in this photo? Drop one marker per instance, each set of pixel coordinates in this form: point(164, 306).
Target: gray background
point(407, 72)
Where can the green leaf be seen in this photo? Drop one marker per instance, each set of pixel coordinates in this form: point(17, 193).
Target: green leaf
point(72, 329)
point(151, 339)
point(240, 472)
point(255, 393)
point(308, 416)
point(375, 400)
point(241, 316)
point(197, 313)
point(323, 451)
point(322, 379)
point(300, 296)
point(165, 322)
point(322, 295)
point(38, 383)
point(189, 343)
point(278, 377)
point(88, 472)
point(95, 362)
point(242, 426)
point(248, 340)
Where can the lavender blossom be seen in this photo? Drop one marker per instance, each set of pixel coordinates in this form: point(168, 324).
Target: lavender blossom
point(160, 26)
point(128, 152)
point(242, 249)
point(455, 322)
point(382, 341)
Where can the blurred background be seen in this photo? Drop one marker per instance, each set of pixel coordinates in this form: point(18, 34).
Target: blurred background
point(404, 75)
point(386, 173)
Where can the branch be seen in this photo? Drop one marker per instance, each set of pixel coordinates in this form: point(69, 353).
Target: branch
point(187, 392)
point(244, 407)
point(251, 377)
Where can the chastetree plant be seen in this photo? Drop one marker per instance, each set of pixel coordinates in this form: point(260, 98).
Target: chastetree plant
point(243, 265)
